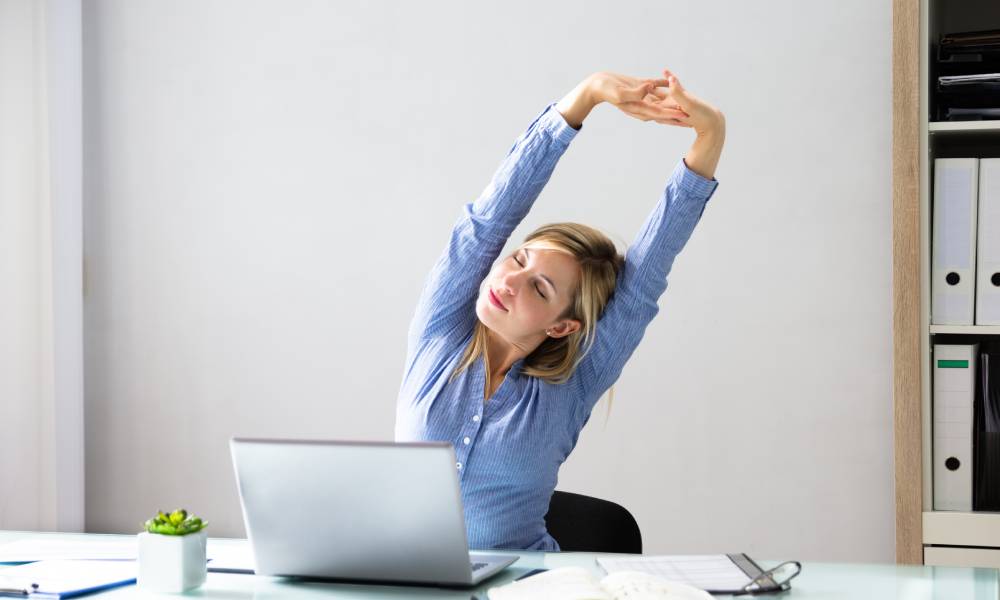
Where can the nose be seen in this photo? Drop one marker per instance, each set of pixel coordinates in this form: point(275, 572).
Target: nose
point(510, 282)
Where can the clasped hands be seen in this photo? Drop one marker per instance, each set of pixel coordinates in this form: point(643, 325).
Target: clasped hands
point(664, 101)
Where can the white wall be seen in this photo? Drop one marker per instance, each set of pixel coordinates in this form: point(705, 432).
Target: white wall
point(41, 299)
point(21, 317)
point(269, 182)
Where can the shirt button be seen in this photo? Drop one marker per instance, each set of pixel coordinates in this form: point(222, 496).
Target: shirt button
point(475, 418)
point(458, 465)
point(466, 441)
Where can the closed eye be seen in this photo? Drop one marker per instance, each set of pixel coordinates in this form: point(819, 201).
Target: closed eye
point(521, 264)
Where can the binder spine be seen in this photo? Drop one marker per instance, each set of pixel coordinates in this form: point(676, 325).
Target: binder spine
point(954, 393)
point(986, 479)
point(953, 283)
point(988, 249)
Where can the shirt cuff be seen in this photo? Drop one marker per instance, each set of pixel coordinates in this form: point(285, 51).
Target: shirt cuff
point(693, 183)
point(553, 122)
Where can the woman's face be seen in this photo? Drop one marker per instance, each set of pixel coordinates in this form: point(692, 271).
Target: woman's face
point(525, 293)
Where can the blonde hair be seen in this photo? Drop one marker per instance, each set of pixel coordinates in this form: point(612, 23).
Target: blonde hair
point(555, 359)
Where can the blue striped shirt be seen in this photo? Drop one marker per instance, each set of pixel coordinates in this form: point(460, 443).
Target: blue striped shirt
point(510, 448)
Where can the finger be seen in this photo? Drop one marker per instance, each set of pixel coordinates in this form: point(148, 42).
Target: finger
point(664, 109)
point(641, 108)
point(673, 114)
point(636, 93)
point(666, 104)
point(665, 93)
point(652, 111)
point(662, 102)
point(675, 84)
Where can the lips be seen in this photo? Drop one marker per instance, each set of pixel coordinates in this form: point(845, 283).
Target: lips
point(495, 301)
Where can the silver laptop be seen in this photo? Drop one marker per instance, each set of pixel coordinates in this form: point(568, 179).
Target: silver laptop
point(366, 511)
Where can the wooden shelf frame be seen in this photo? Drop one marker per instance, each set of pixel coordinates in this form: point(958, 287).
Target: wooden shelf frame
point(908, 139)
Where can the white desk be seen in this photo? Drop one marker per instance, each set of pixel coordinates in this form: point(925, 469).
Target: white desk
point(827, 581)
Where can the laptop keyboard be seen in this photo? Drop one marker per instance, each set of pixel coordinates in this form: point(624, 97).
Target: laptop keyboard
point(478, 565)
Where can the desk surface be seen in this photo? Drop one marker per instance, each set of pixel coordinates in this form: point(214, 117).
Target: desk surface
point(842, 581)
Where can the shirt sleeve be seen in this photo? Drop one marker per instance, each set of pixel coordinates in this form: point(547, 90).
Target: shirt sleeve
point(643, 280)
point(447, 303)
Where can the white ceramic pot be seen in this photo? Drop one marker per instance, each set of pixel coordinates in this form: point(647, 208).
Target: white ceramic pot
point(172, 563)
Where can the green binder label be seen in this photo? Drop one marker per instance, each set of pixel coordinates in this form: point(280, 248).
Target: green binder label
point(953, 364)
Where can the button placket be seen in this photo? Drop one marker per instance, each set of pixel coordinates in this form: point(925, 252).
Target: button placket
point(463, 447)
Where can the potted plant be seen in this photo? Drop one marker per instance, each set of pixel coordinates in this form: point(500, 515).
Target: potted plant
point(172, 552)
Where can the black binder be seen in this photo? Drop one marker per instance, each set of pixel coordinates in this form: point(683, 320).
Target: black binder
point(986, 432)
point(960, 55)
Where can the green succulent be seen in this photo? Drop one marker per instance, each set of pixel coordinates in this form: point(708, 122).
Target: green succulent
point(175, 523)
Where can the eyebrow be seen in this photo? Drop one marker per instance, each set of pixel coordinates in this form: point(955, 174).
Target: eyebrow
point(547, 280)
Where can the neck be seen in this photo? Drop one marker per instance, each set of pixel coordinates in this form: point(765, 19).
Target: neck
point(501, 354)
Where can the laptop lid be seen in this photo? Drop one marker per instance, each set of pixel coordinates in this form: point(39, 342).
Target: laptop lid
point(353, 510)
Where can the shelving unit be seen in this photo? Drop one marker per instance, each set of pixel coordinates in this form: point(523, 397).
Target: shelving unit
point(964, 126)
point(924, 535)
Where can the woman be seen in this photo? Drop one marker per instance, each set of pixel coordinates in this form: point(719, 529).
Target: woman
point(507, 363)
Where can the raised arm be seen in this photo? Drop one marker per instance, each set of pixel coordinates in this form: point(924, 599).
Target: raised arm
point(664, 234)
point(447, 302)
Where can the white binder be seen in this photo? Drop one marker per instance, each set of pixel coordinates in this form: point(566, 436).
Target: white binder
point(988, 250)
point(954, 392)
point(953, 256)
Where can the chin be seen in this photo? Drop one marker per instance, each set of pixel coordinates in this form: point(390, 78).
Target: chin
point(483, 310)
point(490, 318)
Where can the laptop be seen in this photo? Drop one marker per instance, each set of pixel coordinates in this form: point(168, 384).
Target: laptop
point(365, 511)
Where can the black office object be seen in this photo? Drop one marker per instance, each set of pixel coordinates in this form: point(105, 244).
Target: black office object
point(963, 88)
point(585, 524)
point(986, 433)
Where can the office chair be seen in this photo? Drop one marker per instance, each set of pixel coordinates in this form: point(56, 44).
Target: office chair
point(585, 524)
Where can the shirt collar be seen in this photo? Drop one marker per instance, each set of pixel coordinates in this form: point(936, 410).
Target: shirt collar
point(515, 368)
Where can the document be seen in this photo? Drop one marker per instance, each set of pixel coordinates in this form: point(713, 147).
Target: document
point(715, 573)
point(575, 583)
point(226, 555)
point(65, 578)
point(45, 548)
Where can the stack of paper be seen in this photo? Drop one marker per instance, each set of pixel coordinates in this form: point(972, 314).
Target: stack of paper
point(66, 578)
point(229, 556)
point(45, 548)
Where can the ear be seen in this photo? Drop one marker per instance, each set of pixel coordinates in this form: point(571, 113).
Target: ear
point(563, 328)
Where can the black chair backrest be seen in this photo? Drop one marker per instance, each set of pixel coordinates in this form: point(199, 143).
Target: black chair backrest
point(585, 524)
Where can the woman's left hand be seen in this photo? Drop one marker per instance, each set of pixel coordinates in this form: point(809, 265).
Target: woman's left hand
point(699, 115)
point(636, 97)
